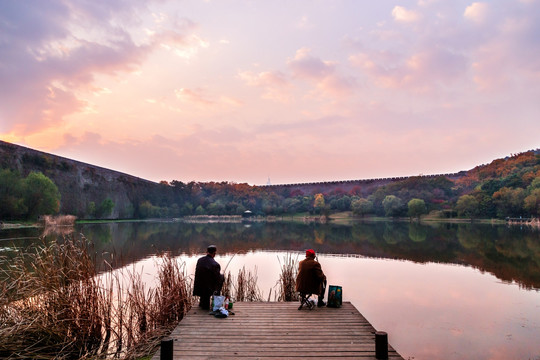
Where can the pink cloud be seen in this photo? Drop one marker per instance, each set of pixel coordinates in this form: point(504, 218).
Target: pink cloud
point(49, 65)
point(476, 12)
point(274, 84)
point(264, 79)
point(322, 72)
point(196, 96)
point(423, 71)
point(399, 13)
point(304, 65)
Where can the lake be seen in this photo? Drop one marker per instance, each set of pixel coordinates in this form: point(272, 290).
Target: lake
point(440, 291)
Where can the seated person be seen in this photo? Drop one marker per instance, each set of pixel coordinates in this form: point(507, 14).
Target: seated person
point(208, 279)
point(311, 279)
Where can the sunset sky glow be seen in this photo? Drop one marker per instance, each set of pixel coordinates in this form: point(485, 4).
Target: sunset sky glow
point(298, 91)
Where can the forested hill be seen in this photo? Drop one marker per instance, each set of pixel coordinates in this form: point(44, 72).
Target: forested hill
point(505, 187)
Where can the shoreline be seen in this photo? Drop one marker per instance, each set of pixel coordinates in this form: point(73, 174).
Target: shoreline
point(344, 218)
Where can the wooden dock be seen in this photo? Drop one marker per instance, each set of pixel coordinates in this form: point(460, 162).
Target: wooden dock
point(276, 330)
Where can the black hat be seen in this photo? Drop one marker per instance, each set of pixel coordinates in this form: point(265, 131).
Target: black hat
point(211, 248)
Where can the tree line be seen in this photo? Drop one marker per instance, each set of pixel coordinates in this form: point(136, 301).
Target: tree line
point(508, 187)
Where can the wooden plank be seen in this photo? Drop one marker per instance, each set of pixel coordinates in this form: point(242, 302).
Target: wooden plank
point(276, 330)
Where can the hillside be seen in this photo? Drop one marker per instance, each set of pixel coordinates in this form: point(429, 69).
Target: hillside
point(502, 188)
point(79, 183)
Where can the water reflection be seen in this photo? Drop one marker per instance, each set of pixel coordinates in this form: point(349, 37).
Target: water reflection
point(441, 291)
point(512, 254)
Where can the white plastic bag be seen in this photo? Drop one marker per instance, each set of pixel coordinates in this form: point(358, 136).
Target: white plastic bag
point(219, 302)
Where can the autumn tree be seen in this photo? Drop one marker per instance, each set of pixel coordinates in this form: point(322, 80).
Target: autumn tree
point(532, 202)
point(318, 203)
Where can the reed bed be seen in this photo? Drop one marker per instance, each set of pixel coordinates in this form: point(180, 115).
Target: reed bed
point(287, 279)
point(246, 288)
point(54, 305)
point(227, 285)
point(59, 220)
point(58, 225)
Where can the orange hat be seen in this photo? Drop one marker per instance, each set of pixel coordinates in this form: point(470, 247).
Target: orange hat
point(310, 253)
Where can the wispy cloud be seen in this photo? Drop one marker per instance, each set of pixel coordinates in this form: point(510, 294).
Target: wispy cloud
point(273, 83)
point(476, 12)
point(222, 92)
point(399, 13)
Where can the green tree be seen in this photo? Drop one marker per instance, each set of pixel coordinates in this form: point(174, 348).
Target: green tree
point(105, 208)
point(535, 184)
point(392, 205)
point(91, 209)
point(467, 205)
point(199, 210)
point(187, 209)
point(291, 205)
point(342, 203)
point(146, 210)
point(11, 201)
point(41, 196)
point(417, 207)
point(216, 208)
point(362, 206)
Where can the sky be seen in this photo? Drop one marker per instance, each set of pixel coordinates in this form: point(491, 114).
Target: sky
point(291, 91)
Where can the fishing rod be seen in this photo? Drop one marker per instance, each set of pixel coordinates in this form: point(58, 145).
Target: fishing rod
point(238, 252)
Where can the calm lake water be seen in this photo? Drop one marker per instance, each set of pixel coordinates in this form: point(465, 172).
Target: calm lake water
point(442, 291)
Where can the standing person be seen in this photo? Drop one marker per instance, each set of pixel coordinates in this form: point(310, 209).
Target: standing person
point(208, 279)
point(310, 278)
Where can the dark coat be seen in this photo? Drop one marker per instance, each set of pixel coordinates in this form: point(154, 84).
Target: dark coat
point(207, 277)
point(310, 277)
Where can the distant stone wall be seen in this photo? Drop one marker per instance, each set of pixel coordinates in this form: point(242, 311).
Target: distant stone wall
point(363, 186)
point(79, 183)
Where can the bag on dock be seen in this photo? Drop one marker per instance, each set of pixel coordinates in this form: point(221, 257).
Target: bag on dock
point(219, 302)
point(335, 296)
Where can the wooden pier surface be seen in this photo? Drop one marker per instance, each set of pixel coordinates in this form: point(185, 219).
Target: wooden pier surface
point(276, 330)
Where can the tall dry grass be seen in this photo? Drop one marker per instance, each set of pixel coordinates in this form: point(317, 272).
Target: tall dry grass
point(54, 305)
point(246, 288)
point(227, 285)
point(59, 220)
point(287, 279)
point(58, 225)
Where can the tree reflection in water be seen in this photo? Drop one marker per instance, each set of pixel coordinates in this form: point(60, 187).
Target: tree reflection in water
point(430, 286)
point(512, 254)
